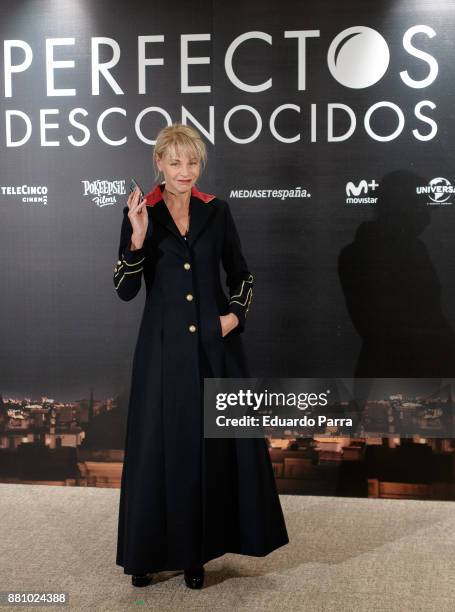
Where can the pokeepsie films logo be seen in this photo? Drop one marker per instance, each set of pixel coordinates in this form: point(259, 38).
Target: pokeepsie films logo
point(103, 192)
point(439, 191)
point(361, 192)
point(28, 194)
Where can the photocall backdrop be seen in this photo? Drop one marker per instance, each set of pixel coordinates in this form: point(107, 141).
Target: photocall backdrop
point(329, 129)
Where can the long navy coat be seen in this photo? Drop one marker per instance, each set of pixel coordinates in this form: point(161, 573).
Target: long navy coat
point(186, 499)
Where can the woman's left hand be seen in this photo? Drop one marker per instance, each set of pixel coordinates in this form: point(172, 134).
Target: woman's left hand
point(228, 322)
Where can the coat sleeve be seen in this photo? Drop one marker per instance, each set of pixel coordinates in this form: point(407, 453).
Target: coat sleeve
point(238, 278)
point(128, 270)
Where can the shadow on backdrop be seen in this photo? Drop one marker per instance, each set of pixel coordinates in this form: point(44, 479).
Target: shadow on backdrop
point(392, 291)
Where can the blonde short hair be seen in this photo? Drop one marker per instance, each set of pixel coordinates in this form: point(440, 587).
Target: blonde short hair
point(179, 136)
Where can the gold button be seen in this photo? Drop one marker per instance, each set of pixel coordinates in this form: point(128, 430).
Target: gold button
point(189, 297)
point(186, 265)
point(192, 328)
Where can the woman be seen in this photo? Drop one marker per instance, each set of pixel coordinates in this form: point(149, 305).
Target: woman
point(186, 499)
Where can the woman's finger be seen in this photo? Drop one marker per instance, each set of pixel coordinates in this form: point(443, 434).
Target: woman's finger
point(132, 196)
point(140, 203)
point(138, 207)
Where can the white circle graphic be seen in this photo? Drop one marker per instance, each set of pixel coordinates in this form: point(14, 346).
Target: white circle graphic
point(440, 196)
point(358, 57)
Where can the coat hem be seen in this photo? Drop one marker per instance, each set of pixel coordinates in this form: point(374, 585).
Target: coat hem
point(175, 567)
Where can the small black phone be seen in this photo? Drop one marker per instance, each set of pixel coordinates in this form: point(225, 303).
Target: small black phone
point(133, 185)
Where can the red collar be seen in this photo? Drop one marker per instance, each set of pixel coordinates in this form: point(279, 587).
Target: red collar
point(155, 195)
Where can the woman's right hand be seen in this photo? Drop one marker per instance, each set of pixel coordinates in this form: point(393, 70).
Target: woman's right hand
point(138, 217)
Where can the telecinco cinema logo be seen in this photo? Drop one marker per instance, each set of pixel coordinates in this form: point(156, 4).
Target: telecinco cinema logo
point(359, 193)
point(104, 192)
point(29, 194)
point(439, 190)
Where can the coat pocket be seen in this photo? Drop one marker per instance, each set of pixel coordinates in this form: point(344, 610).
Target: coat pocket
point(220, 329)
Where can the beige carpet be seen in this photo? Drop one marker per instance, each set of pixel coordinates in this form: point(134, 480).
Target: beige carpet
point(344, 554)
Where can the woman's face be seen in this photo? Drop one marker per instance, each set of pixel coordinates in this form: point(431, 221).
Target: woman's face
point(181, 169)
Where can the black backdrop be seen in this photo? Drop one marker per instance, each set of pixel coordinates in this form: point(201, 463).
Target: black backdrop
point(64, 329)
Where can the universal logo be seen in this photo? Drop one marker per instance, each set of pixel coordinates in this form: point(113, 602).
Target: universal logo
point(360, 193)
point(440, 191)
point(31, 194)
point(104, 192)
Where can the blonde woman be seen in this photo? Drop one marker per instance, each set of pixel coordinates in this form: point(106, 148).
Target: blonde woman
point(186, 499)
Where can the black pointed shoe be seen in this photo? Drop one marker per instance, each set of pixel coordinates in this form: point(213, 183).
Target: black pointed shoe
point(194, 577)
point(141, 580)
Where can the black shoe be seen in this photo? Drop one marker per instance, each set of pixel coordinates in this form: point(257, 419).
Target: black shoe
point(141, 580)
point(194, 577)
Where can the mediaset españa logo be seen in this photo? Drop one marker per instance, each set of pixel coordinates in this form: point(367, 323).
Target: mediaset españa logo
point(280, 194)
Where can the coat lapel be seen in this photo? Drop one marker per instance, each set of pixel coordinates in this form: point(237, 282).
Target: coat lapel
point(201, 211)
point(161, 214)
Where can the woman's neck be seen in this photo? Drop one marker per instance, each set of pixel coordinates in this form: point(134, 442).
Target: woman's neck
point(176, 200)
